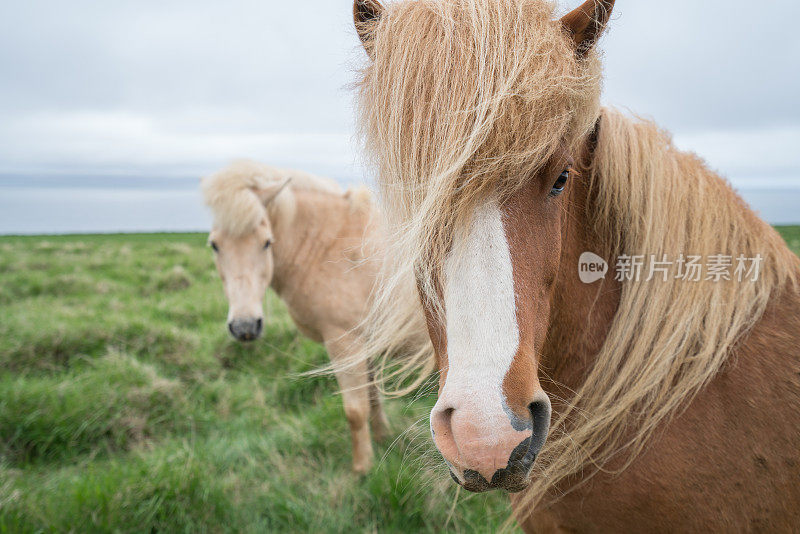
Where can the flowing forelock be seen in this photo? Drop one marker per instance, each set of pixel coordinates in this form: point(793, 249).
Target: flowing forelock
point(231, 194)
point(463, 100)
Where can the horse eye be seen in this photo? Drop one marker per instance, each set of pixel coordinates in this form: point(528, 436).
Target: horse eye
point(214, 246)
point(268, 244)
point(558, 187)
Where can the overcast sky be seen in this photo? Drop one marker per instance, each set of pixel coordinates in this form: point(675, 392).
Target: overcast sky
point(181, 87)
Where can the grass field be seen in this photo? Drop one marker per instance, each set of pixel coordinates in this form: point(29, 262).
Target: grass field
point(124, 406)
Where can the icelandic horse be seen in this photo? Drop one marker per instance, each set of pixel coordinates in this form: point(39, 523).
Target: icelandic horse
point(675, 400)
point(319, 249)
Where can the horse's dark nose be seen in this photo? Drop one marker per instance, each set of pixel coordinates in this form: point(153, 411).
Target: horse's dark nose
point(478, 467)
point(246, 329)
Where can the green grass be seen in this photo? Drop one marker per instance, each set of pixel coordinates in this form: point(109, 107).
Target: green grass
point(125, 407)
point(792, 236)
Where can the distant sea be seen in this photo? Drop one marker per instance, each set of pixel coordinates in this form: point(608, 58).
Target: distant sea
point(109, 204)
point(100, 204)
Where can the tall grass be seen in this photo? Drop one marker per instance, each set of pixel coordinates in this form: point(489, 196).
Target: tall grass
point(125, 407)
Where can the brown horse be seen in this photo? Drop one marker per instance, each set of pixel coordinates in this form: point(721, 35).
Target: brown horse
point(675, 392)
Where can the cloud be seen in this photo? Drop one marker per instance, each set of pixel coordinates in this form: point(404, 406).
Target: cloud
point(763, 157)
point(117, 142)
point(183, 87)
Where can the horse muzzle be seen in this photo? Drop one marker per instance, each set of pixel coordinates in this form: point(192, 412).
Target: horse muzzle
point(246, 329)
point(491, 451)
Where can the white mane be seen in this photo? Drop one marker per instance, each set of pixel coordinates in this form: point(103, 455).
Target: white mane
point(232, 193)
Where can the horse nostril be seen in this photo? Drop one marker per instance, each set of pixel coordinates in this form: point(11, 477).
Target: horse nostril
point(441, 421)
point(540, 413)
point(442, 431)
point(230, 329)
point(259, 325)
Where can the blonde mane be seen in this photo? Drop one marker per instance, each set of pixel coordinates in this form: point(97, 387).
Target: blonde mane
point(231, 194)
point(463, 101)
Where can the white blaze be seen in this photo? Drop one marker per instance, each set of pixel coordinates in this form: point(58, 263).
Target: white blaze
point(481, 322)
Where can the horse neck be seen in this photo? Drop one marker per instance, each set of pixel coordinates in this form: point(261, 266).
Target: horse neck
point(303, 239)
point(580, 314)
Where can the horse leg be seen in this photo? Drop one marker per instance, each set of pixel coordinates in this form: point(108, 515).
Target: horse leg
point(353, 383)
point(377, 416)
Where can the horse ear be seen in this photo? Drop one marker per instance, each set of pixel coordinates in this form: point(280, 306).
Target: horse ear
point(586, 23)
point(271, 192)
point(366, 14)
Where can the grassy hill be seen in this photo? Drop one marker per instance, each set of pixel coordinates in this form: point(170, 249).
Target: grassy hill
point(124, 406)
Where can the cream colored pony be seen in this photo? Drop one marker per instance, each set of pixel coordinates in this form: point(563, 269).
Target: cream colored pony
point(312, 243)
